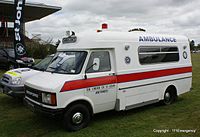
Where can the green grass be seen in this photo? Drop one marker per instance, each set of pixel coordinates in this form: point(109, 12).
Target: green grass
point(17, 121)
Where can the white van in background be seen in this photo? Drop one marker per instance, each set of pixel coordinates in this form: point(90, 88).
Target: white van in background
point(12, 82)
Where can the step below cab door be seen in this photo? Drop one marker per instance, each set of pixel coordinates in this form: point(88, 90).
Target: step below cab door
point(100, 76)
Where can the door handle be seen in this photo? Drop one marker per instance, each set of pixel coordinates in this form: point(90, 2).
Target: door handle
point(111, 74)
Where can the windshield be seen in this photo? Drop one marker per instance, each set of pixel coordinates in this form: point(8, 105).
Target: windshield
point(68, 62)
point(43, 64)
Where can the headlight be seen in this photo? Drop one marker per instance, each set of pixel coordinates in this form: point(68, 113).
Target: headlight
point(17, 81)
point(49, 98)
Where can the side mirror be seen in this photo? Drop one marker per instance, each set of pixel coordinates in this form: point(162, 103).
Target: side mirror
point(93, 65)
point(97, 64)
point(58, 43)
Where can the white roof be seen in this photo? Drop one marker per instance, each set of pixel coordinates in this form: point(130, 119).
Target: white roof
point(104, 39)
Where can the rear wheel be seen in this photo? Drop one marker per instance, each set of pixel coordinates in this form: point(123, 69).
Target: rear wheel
point(169, 96)
point(76, 117)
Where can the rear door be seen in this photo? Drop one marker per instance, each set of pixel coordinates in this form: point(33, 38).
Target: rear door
point(101, 75)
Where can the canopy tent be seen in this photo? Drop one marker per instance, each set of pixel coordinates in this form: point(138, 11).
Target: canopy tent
point(33, 11)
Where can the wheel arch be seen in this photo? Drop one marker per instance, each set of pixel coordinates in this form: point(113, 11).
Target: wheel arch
point(172, 88)
point(166, 87)
point(81, 100)
point(170, 95)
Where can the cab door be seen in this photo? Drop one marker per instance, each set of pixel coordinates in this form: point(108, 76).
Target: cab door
point(100, 75)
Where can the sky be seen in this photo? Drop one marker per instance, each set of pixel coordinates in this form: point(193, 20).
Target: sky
point(181, 17)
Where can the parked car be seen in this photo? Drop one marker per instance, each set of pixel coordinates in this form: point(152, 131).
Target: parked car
point(7, 60)
point(12, 82)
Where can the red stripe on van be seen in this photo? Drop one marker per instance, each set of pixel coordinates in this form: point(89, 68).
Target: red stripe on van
point(91, 82)
point(152, 74)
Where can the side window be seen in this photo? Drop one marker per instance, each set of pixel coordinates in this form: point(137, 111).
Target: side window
point(152, 55)
point(101, 59)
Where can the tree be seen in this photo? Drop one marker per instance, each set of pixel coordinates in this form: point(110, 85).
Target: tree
point(198, 47)
point(192, 45)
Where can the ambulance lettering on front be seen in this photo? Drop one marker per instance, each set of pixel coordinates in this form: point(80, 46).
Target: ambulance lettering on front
point(156, 39)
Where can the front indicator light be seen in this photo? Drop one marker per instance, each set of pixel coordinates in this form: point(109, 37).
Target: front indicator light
point(53, 99)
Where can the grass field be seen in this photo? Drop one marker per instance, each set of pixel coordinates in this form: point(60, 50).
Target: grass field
point(17, 121)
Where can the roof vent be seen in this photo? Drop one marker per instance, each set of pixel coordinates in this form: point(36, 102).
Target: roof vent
point(71, 37)
point(137, 29)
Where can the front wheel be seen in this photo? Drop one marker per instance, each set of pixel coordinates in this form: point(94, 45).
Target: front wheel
point(76, 117)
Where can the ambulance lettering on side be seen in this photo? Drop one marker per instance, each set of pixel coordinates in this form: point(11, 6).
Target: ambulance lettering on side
point(156, 39)
point(97, 72)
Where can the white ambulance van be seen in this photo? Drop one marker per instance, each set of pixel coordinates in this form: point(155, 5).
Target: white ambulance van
point(105, 71)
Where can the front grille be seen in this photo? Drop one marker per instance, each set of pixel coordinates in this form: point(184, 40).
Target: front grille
point(5, 79)
point(33, 94)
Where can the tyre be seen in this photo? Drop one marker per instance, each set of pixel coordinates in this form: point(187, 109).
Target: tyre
point(76, 117)
point(169, 96)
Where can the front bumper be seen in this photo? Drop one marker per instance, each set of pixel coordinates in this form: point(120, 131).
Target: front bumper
point(12, 90)
point(43, 110)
